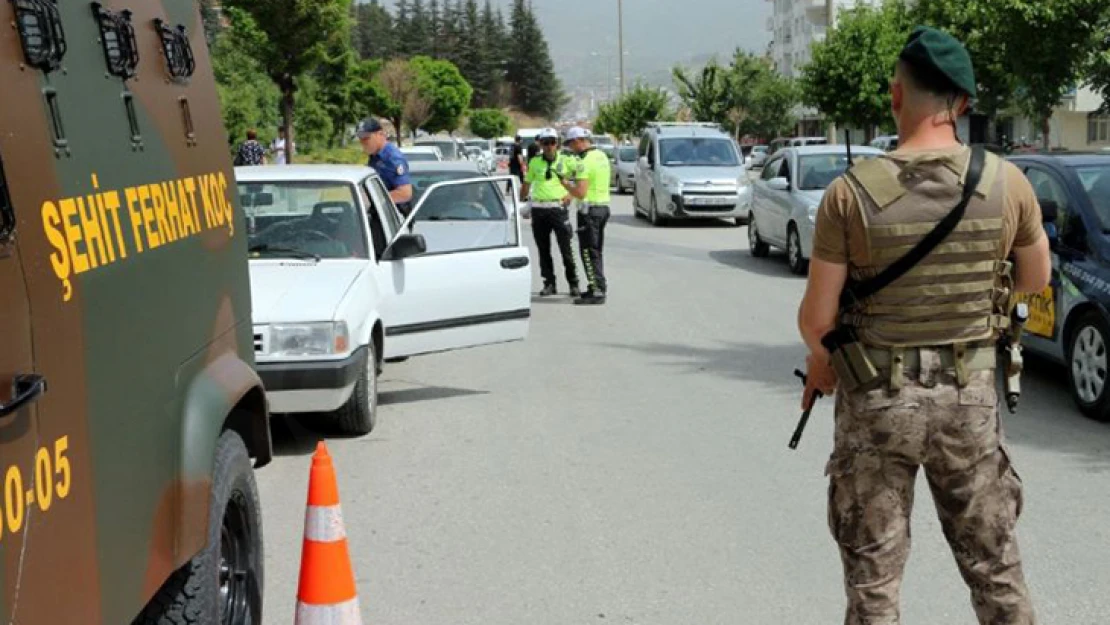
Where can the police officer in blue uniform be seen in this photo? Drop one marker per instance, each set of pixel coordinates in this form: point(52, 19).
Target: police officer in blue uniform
point(387, 160)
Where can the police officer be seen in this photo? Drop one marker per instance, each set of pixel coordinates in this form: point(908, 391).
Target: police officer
point(549, 210)
point(387, 160)
point(590, 186)
point(930, 338)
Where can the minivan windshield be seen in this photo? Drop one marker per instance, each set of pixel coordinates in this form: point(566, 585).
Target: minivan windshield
point(1096, 182)
point(628, 155)
point(312, 220)
point(698, 152)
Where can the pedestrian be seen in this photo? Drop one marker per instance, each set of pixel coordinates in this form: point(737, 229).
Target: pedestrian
point(250, 151)
point(590, 186)
point(517, 164)
point(386, 159)
point(920, 391)
point(278, 148)
point(550, 212)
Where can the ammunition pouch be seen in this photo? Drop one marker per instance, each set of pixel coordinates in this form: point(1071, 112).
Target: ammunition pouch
point(849, 357)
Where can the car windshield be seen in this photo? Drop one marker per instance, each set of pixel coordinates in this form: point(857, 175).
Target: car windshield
point(447, 148)
point(421, 180)
point(303, 220)
point(628, 155)
point(1096, 182)
point(481, 145)
point(697, 152)
point(817, 171)
point(420, 156)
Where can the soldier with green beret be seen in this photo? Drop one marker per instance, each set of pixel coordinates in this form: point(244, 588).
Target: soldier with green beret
point(912, 361)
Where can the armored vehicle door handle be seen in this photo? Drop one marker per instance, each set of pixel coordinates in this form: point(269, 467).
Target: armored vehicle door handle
point(26, 388)
point(518, 262)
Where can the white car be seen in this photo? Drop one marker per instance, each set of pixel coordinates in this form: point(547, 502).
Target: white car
point(417, 153)
point(787, 194)
point(341, 282)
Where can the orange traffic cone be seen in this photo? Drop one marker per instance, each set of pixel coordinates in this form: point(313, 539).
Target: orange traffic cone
point(326, 593)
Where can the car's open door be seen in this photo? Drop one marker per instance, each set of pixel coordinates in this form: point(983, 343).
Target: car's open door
point(457, 273)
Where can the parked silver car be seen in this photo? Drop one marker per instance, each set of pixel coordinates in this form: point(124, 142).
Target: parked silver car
point(787, 194)
point(624, 171)
point(690, 171)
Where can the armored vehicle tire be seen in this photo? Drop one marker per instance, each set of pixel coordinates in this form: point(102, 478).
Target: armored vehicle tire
point(798, 264)
point(1088, 369)
point(359, 415)
point(223, 583)
point(756, 245)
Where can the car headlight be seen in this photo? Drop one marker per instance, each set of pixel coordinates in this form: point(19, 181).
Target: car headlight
point(309, 339)
point(671, 181)
point(813, 212)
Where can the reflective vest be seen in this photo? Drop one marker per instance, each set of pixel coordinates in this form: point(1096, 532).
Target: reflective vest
point(960, 292)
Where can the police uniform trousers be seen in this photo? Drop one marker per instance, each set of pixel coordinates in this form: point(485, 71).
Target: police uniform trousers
point(591, 240)
point(882, 438)
point(553, 218)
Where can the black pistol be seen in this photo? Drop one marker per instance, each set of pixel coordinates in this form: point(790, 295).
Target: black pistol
point(797, 438)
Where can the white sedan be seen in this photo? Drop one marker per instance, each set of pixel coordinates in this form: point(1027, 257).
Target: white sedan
point(341, 283)
point(787, 193)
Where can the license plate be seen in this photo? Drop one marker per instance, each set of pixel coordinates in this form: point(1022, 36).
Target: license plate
point(1042, 312)
point(710, 201)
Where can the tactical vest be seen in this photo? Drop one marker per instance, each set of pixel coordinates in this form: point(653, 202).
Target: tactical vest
point(959, 293)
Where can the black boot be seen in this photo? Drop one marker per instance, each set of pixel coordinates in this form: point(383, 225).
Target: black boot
point(548, 289)
point(574, 292)
point(590, 298)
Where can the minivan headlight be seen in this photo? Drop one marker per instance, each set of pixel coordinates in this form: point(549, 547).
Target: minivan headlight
point(309, 339)
point(670, 180)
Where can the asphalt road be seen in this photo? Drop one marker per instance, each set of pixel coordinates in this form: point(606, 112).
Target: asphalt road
point(628, 464)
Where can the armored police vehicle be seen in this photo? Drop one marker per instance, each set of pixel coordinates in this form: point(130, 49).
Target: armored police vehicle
point(130, 410)
point(1070, 321)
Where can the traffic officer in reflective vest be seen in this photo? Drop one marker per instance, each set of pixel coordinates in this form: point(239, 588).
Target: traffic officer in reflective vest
point(590, 186)
point(921, 391)
point(549, 210)
point(387, 160)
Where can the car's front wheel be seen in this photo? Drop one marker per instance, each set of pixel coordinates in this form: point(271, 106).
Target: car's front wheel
point(359, 415)
point(654, 217)
point(756, 245)
point(222, 585)
point(1088, 365)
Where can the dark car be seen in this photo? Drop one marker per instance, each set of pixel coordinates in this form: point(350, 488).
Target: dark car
point(1070, 321)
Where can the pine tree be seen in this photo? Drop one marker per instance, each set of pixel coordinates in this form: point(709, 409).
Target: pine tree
point(402, 29)
point(436, 47)
point(373, 33)
point(474, 62)
point(530, 71)
point(419, 34)
point(492, 41)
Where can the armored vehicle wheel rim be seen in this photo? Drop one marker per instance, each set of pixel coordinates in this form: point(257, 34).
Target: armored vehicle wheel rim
point(235, 563)
point(1089, 364)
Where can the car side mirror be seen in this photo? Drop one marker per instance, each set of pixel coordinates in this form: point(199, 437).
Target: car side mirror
point(779, 184)
point(406, 246)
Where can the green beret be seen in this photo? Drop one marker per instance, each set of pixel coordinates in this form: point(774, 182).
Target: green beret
point(940, 60)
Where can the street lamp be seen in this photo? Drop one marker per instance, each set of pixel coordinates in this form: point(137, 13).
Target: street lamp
point(620, 40)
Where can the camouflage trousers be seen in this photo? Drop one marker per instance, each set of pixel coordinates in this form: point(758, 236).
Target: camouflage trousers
point(882, 437)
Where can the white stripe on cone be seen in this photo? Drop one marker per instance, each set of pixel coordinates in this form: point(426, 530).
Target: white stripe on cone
point(324, 524)
point(346, 613)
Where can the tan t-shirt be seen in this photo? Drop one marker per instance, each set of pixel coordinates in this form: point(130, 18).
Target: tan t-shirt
point(840, 236)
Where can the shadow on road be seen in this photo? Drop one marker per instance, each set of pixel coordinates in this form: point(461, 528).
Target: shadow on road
point(1046, 417)
point(297, 435)
point(774, 265)
point(757, 362)
point(628, 219)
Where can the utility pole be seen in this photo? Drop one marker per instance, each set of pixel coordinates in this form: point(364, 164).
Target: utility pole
point(620, 39)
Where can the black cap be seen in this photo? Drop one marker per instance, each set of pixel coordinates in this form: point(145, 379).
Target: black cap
point(940, 60)
point(368, 125)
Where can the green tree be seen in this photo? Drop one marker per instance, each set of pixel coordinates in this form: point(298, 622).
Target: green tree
point(529, 70)
point(848, 79)
point(490, 123)
point(629, 115)
point(375, 30)
point(446, 90)
point(421, 30)
point(493, 40)
point(1098, 66)
point(771, 112)
point(298, 33)
point(708, 94)
point(402, 30)
point(248, 98)
point(1056, 39)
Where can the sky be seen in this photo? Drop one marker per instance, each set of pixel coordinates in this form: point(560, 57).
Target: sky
point(657, 34)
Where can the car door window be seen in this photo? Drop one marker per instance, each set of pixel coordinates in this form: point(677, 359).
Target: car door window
point(785, 171)
point(771, 170)
point(1049, 189)
point(464, 215)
